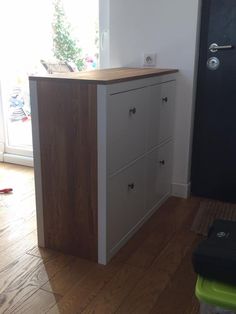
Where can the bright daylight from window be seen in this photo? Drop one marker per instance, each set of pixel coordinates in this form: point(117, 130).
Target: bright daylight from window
point(41, 37)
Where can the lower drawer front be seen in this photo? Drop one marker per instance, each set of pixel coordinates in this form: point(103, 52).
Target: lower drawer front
point(159, 172)
point(125, 201)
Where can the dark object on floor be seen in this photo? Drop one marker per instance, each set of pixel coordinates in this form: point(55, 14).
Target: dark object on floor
point(209, 211)
point(215, 257)
point(6, 191)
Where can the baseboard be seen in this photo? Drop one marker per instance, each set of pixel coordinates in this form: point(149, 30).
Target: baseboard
point(181, 190)
point(17, 159)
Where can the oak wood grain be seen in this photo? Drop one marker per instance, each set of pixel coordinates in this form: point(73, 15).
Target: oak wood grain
point(109, 299)
point(23, 277)
point(126, 253)
point(107, 76)
point(34, 280)
point(70, 275)
point(16, 233)
point(144, 295)
point(18, 249)
point(40, 302)
point(45, 254)
point(143, 248)
point(86, 290)
point(178, 292)
point(69, 166)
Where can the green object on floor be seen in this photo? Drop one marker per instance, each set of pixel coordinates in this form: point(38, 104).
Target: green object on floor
point(216, 293)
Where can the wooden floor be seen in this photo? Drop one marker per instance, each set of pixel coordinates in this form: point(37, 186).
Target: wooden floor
point(151, 274)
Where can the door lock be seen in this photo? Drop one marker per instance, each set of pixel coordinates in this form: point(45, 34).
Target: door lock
point(213, 63)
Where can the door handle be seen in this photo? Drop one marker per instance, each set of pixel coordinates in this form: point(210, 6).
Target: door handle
point(214, 47)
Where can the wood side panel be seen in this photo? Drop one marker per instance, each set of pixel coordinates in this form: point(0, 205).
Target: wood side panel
point(68, 141)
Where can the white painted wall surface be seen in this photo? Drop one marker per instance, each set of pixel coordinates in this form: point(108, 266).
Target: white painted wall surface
point(1, 130)
point(104, 25)
point(168, 28)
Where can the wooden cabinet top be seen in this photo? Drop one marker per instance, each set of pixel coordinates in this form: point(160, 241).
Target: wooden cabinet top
point(107, 76)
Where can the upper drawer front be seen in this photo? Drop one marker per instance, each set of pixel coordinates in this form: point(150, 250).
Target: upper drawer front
point(126, 123)
point(160, 113)
point(167, 110)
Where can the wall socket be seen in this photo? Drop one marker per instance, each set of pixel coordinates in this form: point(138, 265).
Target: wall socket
point(149, 59)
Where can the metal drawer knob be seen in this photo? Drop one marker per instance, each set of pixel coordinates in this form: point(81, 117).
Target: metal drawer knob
point(162, 162)
point(131, 186)
point(132, 111)
point(164, 99)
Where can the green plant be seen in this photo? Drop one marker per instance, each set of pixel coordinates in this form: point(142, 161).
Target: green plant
point(65, 47)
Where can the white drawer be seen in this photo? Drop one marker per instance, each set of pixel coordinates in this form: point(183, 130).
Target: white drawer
point(126, 127)
point(167, 111)
point(160, 113)
point(159, 173)
point(153, 116)
point(126, 201)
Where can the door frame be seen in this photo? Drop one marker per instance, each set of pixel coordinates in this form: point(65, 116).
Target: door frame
point(200, 34)
point(196, 64)
point(2, 133)
point(10, 154)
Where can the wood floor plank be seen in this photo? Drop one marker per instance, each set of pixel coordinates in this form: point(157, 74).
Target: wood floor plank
point(11, 209)
point(109, 299)
point(17, 221)
point(146, 230)
point(178, 293)
point(40, 302)
point(18, 249)
point(144, 276)
point(145, 294)
point(43, 253)
point(51, 267)
point(23, 277)
point(86, 290)
point(17, 282)
point(22, 183)
point(17, 234)
point(165, 227)
point(17, 268)
point(62, 282)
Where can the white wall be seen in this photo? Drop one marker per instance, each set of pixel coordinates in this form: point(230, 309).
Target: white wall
point(2, 140)
point(168, 28)
point(104, 25)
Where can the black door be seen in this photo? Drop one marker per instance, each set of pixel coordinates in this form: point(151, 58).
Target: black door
point(214, 144)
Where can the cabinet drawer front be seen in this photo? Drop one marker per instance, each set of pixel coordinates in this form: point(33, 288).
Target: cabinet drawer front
point(167, 111)
point(125, 201)
point(126, 127)
point(153, 116)
point(160, 113)
point(159, 171)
